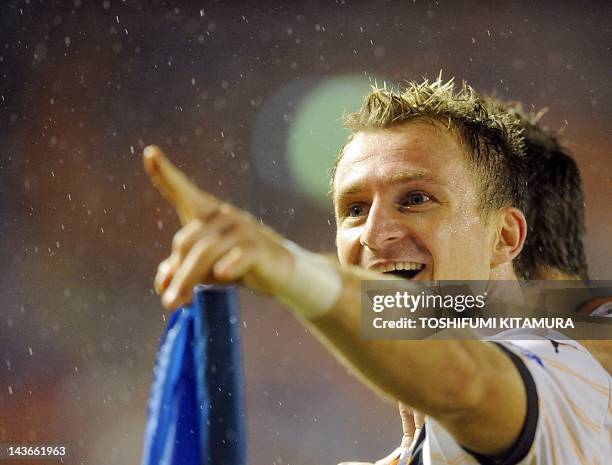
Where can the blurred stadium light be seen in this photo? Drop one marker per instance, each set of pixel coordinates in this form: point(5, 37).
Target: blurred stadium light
point(298, 132)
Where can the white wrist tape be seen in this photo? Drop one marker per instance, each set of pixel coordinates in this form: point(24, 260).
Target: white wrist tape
point(315, 284)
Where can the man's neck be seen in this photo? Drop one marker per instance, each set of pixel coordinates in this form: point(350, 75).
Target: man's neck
point(504, 272)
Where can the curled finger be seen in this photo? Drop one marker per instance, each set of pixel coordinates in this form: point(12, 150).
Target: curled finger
point(196, 230)
point(165, 272)
point(196, 267)
point(235, 264)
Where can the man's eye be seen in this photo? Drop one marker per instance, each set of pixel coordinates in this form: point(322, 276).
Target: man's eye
point(416, 199)
point(355, 211)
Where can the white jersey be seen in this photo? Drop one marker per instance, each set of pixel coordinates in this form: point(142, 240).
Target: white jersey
point(569, 419)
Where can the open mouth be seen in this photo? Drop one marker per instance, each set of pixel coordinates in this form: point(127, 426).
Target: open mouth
point(403, 270)
point(404, 274)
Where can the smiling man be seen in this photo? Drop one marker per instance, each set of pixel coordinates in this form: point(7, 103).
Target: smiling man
point(554, 248)
point(408, 201)
point(430, 186)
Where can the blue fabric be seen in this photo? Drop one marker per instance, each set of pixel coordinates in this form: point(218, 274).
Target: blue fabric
point(196, 406)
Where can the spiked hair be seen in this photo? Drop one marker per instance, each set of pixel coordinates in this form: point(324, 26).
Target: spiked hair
point(492, 140)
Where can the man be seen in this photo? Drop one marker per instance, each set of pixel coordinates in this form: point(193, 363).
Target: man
point(429, 187)
point(554, 248)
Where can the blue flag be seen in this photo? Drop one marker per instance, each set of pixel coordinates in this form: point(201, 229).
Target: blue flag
point(196, 405)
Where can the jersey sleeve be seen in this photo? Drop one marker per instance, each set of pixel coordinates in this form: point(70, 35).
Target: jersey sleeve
point(568, 410)
point(572, 415)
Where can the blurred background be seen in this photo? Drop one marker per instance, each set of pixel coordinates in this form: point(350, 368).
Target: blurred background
point(248, 99)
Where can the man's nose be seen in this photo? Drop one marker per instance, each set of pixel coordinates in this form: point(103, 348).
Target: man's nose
point(382, 228)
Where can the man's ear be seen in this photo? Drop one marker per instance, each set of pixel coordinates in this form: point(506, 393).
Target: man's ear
point(511, 233)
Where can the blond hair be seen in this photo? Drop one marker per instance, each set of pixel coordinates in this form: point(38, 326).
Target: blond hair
point(492, 140)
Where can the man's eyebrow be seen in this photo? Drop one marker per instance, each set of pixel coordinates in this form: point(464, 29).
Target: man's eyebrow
point(406, 176)
point(400, 177)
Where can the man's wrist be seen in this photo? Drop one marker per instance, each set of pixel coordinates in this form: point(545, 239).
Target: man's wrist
point(315, 284)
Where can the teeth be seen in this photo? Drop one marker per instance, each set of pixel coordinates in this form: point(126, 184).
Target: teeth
point(399, 266)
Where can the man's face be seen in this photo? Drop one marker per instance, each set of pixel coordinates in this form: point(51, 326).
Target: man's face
point(406, 202)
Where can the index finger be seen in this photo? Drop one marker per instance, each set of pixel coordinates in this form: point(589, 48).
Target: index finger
point(188, 200)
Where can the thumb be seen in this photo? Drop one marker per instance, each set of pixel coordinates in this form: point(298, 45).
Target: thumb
point(419, 419)
point(187, 199)
point(407, 417)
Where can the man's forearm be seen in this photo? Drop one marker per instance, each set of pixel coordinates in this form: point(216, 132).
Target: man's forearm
point(467, 385)
point(404, 370)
